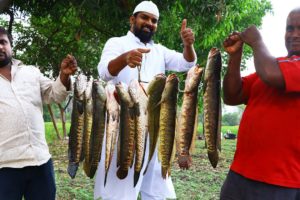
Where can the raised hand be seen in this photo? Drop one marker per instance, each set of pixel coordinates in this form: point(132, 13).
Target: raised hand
point(251, 36)
point(68, 65)
point(233, 43)
point(186, 34)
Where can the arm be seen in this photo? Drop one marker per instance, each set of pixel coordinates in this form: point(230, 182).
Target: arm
point(232, 83)
point(266, 66)
point(68, 67)
point(188, 40)
point(131, 58)
point(56, 91)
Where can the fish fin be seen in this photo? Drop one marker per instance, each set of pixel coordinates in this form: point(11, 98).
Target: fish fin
point(105, 178)
point(213, 157)
point(195, 131)
point(136, 177)
point(164, 172)
point(93, 170)
point(72, 169)
point(219, 127)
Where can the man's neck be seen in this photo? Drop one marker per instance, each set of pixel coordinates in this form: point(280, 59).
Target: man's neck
point(6, 71)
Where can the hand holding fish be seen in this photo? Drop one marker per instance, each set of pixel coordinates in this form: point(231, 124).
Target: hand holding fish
point(134, 57)
point(68, 65)
point(233, 43)
point(186, 34)
point(251, 36)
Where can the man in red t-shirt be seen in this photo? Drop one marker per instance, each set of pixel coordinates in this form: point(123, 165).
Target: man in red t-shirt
point(266, 164)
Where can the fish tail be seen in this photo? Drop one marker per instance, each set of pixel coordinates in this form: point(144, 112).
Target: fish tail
point(136, 177)
point(72, 169)
point(213, 157)
point(121, 174)
point(184, 161)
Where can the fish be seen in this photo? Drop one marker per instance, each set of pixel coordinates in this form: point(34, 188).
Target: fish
point(140, 99)
point(112, 127)
point(212, 105)
point(126, 140)
point(87, 126)
point(154, 92)
point(167, 124)
point(186, 124)
point(98, 124)
point(76, 128)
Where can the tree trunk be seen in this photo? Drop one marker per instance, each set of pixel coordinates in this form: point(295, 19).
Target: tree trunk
point(54, 121)
point(63, 119)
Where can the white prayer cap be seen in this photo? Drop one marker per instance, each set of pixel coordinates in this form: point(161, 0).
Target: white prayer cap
point(147, 6)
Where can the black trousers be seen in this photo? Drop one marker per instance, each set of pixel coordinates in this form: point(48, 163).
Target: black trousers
point(32, 183)
point(237, 187)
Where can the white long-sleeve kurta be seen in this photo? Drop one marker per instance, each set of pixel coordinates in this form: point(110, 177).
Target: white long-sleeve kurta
point(22, 141)
point(157, 61)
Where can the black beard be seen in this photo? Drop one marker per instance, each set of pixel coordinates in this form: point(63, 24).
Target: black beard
point(144, 36)
point(5, 62)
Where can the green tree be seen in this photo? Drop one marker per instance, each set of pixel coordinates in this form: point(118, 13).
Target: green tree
point(230, 119)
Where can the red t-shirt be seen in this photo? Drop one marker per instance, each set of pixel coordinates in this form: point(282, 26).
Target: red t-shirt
point(268, 146)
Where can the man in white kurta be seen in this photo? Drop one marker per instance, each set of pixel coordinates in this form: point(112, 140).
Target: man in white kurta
point(119, 61)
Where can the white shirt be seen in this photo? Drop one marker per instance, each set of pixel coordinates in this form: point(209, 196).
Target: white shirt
point(157, 61)
point(22, 134)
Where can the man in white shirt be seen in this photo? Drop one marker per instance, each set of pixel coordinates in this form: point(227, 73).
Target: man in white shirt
point(26, 168)
point(119, 61)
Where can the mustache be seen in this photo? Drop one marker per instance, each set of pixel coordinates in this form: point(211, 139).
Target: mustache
point(146, 26)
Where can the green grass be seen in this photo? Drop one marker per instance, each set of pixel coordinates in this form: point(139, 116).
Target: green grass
point(224, 129)
point(200, 182)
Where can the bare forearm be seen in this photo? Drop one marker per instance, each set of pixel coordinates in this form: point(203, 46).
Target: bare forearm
point(117, 64)
point(232, 83)
point(65, 79)
point(266, 66)
point(189, 53)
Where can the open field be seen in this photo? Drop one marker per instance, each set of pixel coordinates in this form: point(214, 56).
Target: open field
point(200, 182)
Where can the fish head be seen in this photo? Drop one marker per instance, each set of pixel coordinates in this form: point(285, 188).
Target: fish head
point(80, 85)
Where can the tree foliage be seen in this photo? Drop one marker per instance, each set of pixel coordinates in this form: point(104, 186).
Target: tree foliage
point(55, 28)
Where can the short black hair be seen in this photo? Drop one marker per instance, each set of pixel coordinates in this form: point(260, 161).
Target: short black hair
point(3, 31)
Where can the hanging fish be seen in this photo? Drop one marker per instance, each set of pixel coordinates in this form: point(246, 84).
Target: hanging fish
point(212, 105)
point(140, 100)
point(186, 125)
point(76, 130)
point(112, 126)
point(154, 91)
point(126, 143)
point(98, 124)
point(166, 150)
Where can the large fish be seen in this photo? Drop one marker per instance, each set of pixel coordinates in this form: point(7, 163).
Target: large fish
point(140, 99)
point(76, 129)
point(87, 127)
point(112, 126)
point(126, 143)
point(154, 91)
point(212, 105)
point(98, 124)
point(167, 124)
point(187, 118)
